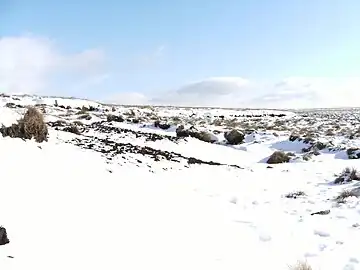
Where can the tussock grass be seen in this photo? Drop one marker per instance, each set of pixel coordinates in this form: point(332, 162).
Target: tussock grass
point(301, 266)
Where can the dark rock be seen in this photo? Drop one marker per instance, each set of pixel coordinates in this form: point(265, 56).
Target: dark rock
point(3, 237)
point(72, 129)
point(85, 117)
point(10, 105)
point(57, 123)
point(181, 132)
point(294, 137)
point(115, 118)
point(234, 137)
point(324, 212)
point(353, 153)
point(164, 126)
point(278, 157)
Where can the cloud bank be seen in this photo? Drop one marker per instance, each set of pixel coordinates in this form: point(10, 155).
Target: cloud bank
point(30, 64)
point(295, 92)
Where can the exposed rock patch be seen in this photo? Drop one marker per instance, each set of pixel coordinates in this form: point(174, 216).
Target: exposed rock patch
point(279, 157)
point(234, 137)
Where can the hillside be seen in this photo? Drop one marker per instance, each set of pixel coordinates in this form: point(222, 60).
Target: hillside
point(126, 188)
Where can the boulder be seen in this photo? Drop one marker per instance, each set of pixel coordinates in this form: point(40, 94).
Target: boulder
point(3, 237)
point(278, 157)
point(164, 126)
point(114, 118)
point(234, 137)
point(204, 136)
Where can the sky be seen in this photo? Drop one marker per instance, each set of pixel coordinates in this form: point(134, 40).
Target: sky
point(275, 53)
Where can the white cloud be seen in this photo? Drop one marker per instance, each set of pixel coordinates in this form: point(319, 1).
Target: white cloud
point(128, 98)
point(31, 64)
point(296, 92)
point(28, 64)
point(300, 92)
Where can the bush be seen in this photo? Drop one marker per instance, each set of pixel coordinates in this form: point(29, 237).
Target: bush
point(32, 125)
point(347, 175)
point(341, 198)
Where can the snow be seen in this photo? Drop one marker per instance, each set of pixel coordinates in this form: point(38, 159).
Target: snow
point(65, 207)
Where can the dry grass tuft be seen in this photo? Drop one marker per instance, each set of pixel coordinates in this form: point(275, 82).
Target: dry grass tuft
point(341, 198)
point(347, 175)
point(301, 266)
point(32, 125)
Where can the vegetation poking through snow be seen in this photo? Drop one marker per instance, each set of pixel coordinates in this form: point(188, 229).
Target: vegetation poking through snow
point(301, 266)
point(347, 175)
point(295, 195)
point(32, 125)
point(344, 195)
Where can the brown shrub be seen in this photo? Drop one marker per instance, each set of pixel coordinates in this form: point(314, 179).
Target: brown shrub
point(32, 125)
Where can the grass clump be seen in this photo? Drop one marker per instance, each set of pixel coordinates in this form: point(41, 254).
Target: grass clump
point(32, 125)
point(296, 194)
point(341, 198)
point(347, 175)
point(301, 266)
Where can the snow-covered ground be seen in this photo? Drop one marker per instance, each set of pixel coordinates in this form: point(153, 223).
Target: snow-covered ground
point(127, 195)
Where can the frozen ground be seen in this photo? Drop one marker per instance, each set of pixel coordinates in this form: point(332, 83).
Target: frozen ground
point(119, 197)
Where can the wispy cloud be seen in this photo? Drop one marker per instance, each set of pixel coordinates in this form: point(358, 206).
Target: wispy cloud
point(29, 63)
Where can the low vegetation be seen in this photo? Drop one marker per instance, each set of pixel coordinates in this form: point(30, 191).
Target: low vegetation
point(32, 125)
point(347, 175)
point(301, 266)
point(341, 198)
point(296, 194)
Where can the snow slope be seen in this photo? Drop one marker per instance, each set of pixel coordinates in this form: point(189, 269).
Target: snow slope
point(67, 207)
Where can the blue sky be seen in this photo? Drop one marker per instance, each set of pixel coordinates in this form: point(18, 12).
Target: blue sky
point(161, 45)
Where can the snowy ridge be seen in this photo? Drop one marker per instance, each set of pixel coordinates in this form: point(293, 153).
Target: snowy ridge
point(126, 194)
